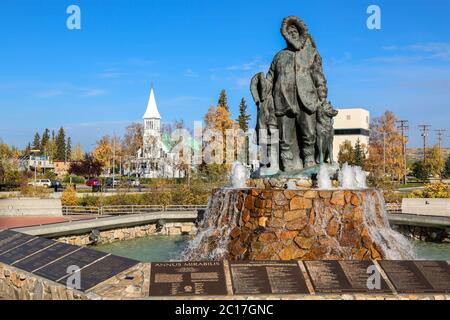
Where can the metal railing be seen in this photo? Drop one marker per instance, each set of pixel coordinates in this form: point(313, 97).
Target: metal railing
point(127, 209)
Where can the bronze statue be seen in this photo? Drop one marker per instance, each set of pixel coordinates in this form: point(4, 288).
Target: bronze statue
point(298, 87)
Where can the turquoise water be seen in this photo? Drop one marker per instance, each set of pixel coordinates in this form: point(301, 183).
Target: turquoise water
point(151, 249)
point(165, 248)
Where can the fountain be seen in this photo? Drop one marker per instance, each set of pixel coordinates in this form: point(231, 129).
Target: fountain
point(277, 214)
point(306, 224)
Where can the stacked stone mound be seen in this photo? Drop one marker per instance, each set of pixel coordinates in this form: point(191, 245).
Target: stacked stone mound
point(302, 224)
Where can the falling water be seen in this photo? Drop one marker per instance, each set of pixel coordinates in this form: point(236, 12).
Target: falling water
point(352, 177)
point(239, 176)
point(221, 217)
point(323, 178)
point(394, 245)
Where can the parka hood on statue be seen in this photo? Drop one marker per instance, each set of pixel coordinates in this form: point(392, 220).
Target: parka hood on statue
point(302, 30)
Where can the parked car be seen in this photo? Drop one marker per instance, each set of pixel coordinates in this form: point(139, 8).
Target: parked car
point(41, 183)
point(93, 182)
point(112, 183)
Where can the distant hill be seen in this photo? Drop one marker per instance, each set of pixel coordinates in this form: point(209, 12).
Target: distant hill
point(416, 154)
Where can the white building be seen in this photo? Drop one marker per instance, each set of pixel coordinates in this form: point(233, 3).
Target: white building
point(351, 124)
point(155, 160)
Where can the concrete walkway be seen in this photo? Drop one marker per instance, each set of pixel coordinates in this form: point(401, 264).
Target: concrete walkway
point(106, 223)
point(419, 220)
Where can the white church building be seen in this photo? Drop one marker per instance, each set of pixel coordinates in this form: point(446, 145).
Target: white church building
point(154, 159)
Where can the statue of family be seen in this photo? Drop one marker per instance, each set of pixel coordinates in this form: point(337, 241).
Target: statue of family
point(295, 119)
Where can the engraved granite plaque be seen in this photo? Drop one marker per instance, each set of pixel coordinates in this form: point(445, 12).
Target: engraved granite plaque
point(45, 257)
point(187, 278)
point(16, 239)
point(58, 269)
point(267, 277)
point(345, 276)
point(25, 250)
point(102, 270)
point(418, 276)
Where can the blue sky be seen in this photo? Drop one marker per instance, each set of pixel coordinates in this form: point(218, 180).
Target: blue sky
point(96, 80)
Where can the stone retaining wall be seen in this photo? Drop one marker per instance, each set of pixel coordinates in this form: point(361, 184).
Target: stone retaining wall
point(16, 284)
point(424, 233)
point(130, 233)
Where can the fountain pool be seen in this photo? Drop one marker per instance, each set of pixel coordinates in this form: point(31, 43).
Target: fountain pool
point(165, 248)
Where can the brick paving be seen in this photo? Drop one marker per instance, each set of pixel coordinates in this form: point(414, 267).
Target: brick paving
point(18, 222)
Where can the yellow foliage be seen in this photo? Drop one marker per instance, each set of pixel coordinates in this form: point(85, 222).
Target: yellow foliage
point(69, 197)
point(433, 190)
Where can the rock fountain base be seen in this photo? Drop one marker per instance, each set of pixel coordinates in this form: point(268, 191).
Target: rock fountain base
point(306, 224)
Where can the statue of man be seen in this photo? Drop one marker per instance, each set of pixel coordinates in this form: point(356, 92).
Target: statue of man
point(298, 87)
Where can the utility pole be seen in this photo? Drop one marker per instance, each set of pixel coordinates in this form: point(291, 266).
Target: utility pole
point(424, 129)
point(403, 126)
point(440, 137)
point(384, 152)
point(114, 160)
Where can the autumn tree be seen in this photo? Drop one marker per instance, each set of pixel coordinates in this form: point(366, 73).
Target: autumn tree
point(132, 140)
point(78, 153)
point(103, 151)
point(435, 161)
point(88, 167)
point(385, 148)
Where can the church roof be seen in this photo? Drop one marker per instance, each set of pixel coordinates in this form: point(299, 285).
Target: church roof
point(152, 110)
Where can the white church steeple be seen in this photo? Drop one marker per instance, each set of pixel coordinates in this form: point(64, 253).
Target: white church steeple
point(152, 110)
point(152, 118)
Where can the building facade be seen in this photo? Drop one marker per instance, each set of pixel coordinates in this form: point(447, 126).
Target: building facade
point(351, 124)
point(154, 159)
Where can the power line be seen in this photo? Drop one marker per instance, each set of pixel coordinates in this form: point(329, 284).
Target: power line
point(424, 129)
point(440, 136)
point(403, 126)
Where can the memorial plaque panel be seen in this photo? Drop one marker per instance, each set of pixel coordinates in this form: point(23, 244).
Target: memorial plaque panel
point(187, 278)
point(418, 276)
point(437, 273)
point(25, 250)
point(267, 277)
point(13, 241)
point(343, 276)
point(80, 258)
point(45, 257)
point(102, 270)
point(6, 234)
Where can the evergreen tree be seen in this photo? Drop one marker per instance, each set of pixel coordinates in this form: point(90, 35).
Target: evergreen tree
point(223, 100)
point(69, 149)
point(346, 153)
point(447, 167)
point(244, 117)
point(37, 142)
point(44, 141)
point(60, 145)
point(359, 154)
